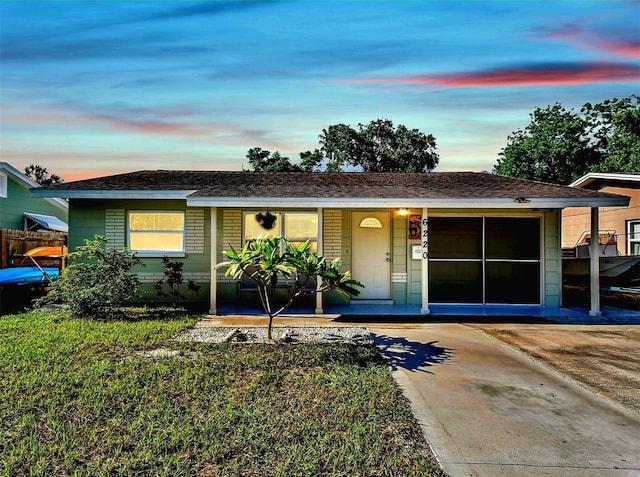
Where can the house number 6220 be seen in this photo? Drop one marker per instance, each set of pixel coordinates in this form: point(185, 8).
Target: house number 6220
point(425, 238)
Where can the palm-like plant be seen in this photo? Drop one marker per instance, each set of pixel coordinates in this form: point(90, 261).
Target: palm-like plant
point(268, 260)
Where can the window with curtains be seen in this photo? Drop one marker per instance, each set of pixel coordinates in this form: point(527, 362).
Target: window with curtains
point(156, 232)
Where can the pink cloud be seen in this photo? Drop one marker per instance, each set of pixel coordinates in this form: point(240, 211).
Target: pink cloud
point(592, 41)
point(545, 75)
point(566, 31)
point(622, 48)
point(163, 128)
point(201, 130)
point(73, 165)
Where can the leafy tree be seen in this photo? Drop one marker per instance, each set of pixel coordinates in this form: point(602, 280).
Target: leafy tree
point(379, 147)
point(375, 147)
point(171, 285)
point(262, 160)
point(560, 146)
point(340, 143)
point(41, 175)
point(554, 147)
point(267, 260)
point(311, 161)
point(615, 127)
point(97, 280)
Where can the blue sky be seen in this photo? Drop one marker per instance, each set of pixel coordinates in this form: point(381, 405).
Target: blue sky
point(94, 87)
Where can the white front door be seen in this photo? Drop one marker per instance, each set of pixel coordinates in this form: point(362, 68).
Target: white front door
point(371, 253)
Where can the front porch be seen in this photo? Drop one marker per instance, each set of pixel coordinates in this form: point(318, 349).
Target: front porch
point(401, 313)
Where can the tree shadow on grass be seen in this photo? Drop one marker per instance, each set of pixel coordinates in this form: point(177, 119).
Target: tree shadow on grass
point(411, 355)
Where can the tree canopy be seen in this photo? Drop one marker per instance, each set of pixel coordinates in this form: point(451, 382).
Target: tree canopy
point(379, 147)
point(561, 145)
point(374, 147)
point(262, 160)
point(615, 126)
point(41, 175)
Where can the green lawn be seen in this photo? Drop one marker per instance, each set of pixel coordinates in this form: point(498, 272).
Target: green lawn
point(78, 398)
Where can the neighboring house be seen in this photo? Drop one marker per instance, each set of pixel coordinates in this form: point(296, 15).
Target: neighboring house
point(20, 211)
point(412, 239)
point(624, 221)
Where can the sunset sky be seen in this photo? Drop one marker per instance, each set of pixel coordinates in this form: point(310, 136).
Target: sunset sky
point(93, 88)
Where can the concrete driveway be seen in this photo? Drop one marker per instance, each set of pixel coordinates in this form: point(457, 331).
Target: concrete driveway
point(489, 410)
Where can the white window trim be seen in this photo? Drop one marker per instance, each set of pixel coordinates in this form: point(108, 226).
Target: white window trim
point(158, 253)
point(630, 237)
point(3, 185)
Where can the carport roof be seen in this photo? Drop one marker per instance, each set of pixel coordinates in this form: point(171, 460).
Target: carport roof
point(322, 189)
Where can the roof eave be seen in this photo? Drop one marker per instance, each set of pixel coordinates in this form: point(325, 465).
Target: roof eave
point(463, 203)
point(112, 194)
point(27, 182)
point(591, 177)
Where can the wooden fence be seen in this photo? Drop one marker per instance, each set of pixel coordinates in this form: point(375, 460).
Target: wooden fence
point(14, 243)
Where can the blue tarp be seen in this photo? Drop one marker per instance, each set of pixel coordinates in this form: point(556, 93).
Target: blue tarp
point(26, 275)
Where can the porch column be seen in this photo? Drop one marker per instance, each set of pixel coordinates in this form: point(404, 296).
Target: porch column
point(213, 290)
point(594, 264)
point(319, 301)
point(425, 263)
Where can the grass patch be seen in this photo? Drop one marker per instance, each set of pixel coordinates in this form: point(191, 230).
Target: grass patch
point(77, 398)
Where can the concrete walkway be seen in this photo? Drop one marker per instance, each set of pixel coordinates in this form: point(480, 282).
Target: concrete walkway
point(489, 410)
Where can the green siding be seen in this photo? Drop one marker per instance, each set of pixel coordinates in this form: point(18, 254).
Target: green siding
point(18, 201)
point(400, 229)
point(552, 271)
point(87, 219)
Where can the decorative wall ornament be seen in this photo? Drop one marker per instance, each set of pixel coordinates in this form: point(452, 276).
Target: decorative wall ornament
point(415, 232)
point(266, 220)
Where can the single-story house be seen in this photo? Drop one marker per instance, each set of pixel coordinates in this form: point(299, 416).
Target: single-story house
point(411, 238)
point(618, 225)
point(20, 211)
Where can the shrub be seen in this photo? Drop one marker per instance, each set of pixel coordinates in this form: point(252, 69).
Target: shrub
point(96, 280)
point(173, 281)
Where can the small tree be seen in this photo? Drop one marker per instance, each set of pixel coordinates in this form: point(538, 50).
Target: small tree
point(97, 279)
point(267, 260)
point(173, 281)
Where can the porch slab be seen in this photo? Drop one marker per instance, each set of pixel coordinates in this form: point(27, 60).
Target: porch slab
point(441, 313)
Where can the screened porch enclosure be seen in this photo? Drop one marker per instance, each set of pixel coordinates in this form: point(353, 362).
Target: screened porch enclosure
point(485, 260)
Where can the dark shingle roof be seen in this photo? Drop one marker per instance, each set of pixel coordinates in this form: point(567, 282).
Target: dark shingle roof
point(322, 189)
point(436, 185)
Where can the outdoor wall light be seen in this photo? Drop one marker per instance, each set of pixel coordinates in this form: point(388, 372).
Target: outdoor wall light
point(266, 220)
point(522, 200)
point(402, 212)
